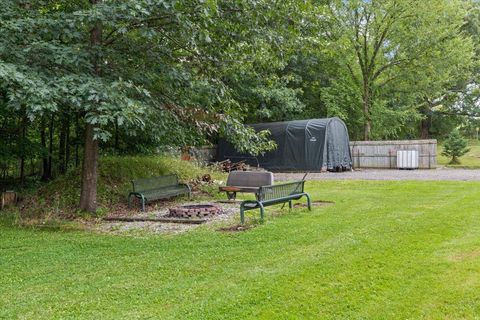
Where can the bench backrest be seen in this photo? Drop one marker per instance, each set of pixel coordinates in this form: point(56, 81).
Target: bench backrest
point(250, 178)
point(154, 183)
point(281, 190)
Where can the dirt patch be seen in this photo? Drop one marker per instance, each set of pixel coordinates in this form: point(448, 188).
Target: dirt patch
point(318, 203)
point(462, 256)
point(158, 221)
point(236, 228)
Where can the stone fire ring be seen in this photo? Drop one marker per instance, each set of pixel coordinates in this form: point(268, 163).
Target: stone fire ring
point(195, 211)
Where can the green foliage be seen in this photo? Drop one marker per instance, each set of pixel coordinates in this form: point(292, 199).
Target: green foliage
point(402, 256)
point(59, 197)
point(247, 140)
point(471, 160)
point(455, 146)
point(389, 57)
point(162, 73)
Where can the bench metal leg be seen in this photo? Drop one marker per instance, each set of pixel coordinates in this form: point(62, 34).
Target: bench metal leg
point(260, 205)
point(130, 200)
point(189, 192)
point(242, 210)
point(242, 214)
point(143, 202)
point(262, 212)
point(138, 195)
point(309, 201)
point(231, 195)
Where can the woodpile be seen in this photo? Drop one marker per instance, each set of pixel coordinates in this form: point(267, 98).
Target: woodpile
point(228, 165)
point(198, 182)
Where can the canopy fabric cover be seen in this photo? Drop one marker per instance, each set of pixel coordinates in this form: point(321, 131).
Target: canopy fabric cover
point(302, 145)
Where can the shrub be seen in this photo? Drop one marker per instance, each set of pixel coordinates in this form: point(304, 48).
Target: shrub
point(455, 146)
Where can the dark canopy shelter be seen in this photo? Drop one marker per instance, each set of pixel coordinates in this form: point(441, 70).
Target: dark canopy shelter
point(302, 145)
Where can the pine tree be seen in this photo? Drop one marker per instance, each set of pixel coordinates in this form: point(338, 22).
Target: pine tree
point(455, 146)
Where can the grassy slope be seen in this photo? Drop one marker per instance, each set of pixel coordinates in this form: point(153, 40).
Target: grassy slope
point(61, 196)
point(470, 161)
point(385, 250)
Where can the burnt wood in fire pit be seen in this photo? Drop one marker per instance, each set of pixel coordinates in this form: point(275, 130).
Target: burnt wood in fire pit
point(195, 211)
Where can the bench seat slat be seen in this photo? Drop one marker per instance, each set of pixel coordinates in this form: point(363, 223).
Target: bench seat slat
point(243, 189)
point(163, 190)
point(275, 194)
point(157, 188)
point(161, 194)
point(254, 205)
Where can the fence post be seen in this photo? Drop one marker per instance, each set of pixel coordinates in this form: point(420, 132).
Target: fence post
point(358, 158)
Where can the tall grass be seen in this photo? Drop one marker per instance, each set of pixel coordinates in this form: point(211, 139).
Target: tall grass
point(61, 196)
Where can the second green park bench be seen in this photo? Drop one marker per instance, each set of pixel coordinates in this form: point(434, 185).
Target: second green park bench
point(156, 188)
point(275, 194)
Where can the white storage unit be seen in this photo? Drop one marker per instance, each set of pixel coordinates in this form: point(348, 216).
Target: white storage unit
point(407, 159)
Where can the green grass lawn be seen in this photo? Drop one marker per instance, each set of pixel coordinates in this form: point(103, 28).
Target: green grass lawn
point(469, 161)
point(385, 250)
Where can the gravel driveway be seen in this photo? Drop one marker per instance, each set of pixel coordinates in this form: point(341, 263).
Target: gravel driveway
point(375, 174)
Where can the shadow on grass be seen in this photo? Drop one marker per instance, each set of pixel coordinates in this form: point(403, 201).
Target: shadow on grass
point(237, 228)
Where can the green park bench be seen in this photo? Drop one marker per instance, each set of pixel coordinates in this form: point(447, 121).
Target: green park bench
point(275, 194)
point(157, 188)
point(247, 182)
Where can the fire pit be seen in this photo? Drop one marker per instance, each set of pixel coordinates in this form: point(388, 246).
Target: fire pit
point(195, 211)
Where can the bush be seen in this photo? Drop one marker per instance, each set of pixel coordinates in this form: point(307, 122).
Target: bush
point(455, 146)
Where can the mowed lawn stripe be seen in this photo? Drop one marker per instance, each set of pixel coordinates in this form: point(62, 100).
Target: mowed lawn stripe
point(385, 249)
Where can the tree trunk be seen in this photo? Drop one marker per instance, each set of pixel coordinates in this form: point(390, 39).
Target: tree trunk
point(67, 143)
point(88, 193)
point(50, 146)
point(367, 124)
point(77, 139)
point(46, 174)
point(22, 158)
point(22, 169)
point(426, 121)
point(425, 128)
point(33, 171)
point(61, 150)
point(62, 146)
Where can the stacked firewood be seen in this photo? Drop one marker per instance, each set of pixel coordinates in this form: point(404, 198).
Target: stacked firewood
point(228, 165)
point(204, 180)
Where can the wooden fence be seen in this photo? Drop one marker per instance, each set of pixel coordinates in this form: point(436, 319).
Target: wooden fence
point(383, 154)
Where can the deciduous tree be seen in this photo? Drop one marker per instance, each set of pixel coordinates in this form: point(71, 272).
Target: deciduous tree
point(393, 56)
